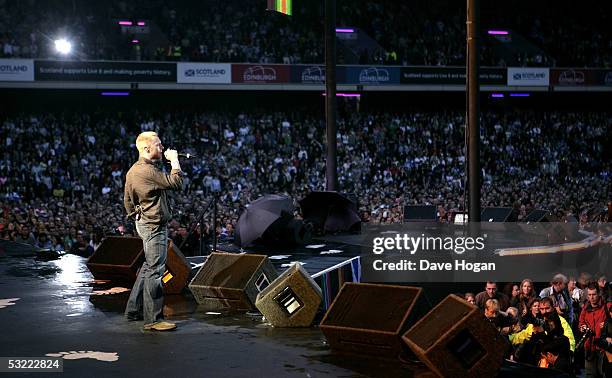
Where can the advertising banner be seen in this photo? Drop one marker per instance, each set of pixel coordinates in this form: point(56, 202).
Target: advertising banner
point(449, 75)
point(260, 73)
point(23, 70)
point(57, 70)
point(372, 75)
point(314, 74)
point(205, 73)
point(602, 77)
point(570, 77)
point(308, 74)
point(16, 70)
point(580, 77)
point(528, 76)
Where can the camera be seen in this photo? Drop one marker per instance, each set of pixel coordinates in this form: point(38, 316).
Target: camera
point(586, 334)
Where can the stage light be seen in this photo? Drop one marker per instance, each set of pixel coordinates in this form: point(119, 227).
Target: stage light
point(125, 23)
point(519, 94)
point(63, 46)
point(141, 23)
point(135, 41)
point(342, 30)
point(497, 95)
point(498, 32)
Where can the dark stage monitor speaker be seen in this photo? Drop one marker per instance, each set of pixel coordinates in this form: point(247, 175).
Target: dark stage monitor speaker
point(425, 213)
point(292, 300)
point(118, 258)
point(455, 340)
point(231, 281)
point(497, 214)
point(176, 276)
point(369, 318)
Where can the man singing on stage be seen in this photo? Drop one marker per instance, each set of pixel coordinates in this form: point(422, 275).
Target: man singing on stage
point(146, 202)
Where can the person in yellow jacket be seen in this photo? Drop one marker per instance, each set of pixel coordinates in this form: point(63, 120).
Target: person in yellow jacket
point(551, 327)
point(548, 313)
point(520, 337)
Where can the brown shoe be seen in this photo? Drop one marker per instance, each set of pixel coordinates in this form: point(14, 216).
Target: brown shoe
point(159, 326)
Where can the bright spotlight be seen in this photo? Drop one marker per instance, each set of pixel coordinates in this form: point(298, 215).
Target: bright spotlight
point(63, 46)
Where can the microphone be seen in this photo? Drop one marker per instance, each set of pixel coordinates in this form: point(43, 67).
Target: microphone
point(187, 155)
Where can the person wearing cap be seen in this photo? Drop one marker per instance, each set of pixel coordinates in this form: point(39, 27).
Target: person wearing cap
point(146, 202)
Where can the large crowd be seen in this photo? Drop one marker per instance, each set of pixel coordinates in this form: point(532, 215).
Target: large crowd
point(565, 326)
point(62, 174)
point(405, 33)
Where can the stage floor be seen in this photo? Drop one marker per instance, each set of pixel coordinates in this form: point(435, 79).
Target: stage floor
point(317, 258)
point(55, 307)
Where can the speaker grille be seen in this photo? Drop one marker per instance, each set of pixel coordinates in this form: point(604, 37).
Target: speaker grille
point(439, 321)
point(389, 306)
point(288, 301)
point(262, 282)
point(465, 347)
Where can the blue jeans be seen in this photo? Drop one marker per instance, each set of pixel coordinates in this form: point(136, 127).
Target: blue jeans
point(147, 296)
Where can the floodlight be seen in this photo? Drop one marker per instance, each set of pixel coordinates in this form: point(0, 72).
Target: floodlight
point(63, 46)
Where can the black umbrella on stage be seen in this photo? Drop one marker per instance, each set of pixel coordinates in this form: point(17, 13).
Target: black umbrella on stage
point(330, 212)
point(269, 219)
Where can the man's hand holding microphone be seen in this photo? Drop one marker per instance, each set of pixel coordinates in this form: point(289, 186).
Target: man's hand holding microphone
point(173, 155)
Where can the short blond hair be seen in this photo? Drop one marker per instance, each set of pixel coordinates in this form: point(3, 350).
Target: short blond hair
point(513, 311)
point(492, 305)
point(144, 139)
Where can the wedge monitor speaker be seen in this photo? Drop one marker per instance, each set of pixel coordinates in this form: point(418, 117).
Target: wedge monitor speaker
point(232, 280)
point(369, 318)
point(455, 340)
point(292, 300)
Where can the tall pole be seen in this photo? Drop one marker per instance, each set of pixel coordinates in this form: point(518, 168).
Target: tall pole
point(331, 174)
point(215, 199)
point(473, 111)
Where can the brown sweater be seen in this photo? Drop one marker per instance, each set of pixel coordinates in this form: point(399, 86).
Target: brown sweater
point(145, 192)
